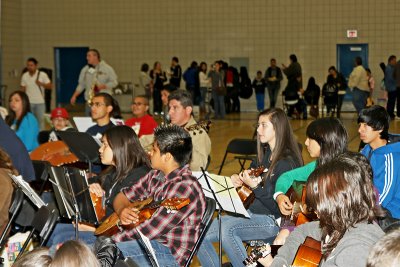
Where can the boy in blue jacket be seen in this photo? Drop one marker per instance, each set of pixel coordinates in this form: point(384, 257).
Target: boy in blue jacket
point(383, 152)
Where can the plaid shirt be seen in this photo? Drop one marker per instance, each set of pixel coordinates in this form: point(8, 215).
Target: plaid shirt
point(180, 230)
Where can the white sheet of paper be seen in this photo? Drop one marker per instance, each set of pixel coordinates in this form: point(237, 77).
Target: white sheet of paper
point(229, 199)
point(28, 191)
point(147, 243)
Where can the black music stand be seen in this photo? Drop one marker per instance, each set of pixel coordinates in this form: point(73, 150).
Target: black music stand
point(234, 205)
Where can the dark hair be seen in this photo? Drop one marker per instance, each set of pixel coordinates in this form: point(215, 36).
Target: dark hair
point(183, 96)
point(391, 58)
point(33, 60)
point(145, 97)
point(128, 154)
point(111, 101)
point(330, 79)
point(272, 59)
point(293, 58)
point(200, 67)
point(332, 68)
point(26, 107)
point(331, 136)
point(96, 52)
point(376, 117)
point(368, 70)
point(311, 83)
point(145, 67)
point(386, 252)
point(176, 141)
point(285, 144)
point(175, 59)
point(342, 194)
point(259, 72)
point(193, 64)
point(358, 61)
point(243, 73)
point(155, 64)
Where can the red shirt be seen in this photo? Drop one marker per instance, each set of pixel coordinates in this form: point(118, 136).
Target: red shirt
point(147, 124)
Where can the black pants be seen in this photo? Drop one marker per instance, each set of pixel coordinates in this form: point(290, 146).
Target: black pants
point(392, 96)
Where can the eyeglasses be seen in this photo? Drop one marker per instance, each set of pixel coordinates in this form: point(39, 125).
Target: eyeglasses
point(97, 104)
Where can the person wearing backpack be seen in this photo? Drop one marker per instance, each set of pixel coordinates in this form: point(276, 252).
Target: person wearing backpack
point(33, 83)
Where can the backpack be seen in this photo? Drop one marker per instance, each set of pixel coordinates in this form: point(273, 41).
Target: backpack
point(246, 91)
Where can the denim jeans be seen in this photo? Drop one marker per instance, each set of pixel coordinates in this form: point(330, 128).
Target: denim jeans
point(38, 111)
point(260, 101)
point(235, 230)
point(359, 99)
point(132, 249)
point(66, 231)
point(219, 105)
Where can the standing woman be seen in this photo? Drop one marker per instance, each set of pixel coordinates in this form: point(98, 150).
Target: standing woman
point(341, 84)
point(278, 152)
point(144, 81)
point(22, 121)
point(159, 78)
point(204, 84)
point(127, 161)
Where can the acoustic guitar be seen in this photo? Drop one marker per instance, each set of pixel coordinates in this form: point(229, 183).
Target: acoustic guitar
point(245, 193)
point(56, 153)
point(300, 212)
point(146, 209)
point(308, 254)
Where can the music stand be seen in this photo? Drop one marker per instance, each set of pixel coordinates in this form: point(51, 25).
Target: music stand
point(226, 198)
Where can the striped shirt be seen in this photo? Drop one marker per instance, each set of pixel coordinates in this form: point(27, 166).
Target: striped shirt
point(179, 230)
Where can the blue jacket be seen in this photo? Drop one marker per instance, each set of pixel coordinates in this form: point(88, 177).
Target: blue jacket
point(390, 82)
point(386, 168)
point(28, 132)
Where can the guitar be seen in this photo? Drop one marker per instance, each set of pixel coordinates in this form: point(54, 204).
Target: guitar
point(300, 213)
point(245, 193)
point(146, 209)
point(307, 255)
point(57, 153)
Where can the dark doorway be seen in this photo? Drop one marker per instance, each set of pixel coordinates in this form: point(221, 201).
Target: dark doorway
point(68, 63)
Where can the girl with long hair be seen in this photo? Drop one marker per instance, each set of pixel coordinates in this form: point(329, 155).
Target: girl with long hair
point(158, 77)
point(22, 121)
point(127, 162)
point(278, 152)
point(342, 195)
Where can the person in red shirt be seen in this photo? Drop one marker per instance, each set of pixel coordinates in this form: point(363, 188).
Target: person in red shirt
point(142, 123)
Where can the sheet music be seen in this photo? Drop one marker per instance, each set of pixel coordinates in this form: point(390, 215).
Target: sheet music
point(224, 190)
point(148, 245)
point(28, 191)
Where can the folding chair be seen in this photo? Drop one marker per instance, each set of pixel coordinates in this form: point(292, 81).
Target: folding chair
point(205, 224)
point(18, 197)
point(42, 224)
point(245, 148)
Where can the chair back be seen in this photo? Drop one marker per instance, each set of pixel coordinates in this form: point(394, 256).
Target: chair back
point(242, 146)
point(205, 224)
point(18, 197)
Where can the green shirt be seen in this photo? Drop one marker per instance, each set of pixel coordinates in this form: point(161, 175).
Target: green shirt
point(286, 180)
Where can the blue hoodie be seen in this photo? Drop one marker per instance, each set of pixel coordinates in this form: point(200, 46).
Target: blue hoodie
point(385, 165)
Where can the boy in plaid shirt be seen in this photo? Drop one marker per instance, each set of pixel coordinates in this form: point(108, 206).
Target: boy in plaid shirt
point(172, 235)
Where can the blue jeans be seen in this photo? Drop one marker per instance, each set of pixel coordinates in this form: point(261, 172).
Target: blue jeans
point(219, 105)
point(66, 231)
point(260, 101)
point(235, 230)
point(132, 249)
point(38, 111)
point(359, 99)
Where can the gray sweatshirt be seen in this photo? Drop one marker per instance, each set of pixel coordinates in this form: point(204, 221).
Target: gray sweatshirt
point(352, 250)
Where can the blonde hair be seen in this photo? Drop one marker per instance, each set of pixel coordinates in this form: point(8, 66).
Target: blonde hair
point(39, 257)
point(74, 254)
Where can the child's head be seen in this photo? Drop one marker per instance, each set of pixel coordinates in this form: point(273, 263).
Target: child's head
point(171, 142)
point(59, 118)
point(259, 74)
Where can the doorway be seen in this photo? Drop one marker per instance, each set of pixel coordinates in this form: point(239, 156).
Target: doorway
point(68, 64)
point(345, 60)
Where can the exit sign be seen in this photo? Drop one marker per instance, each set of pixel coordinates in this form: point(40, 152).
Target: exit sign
point(352, 34)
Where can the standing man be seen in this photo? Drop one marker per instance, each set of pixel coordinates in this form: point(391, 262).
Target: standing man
point(33, 83)
point(396, 75)
point(383, 152)
point(358, 80)
point(175, 74)
point(180, 112)
point(273, 77)
point(97, 76)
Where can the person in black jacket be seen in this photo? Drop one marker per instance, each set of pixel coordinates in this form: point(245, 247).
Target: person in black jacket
point(259, 87)
point(341, 84)
point(273, 77)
